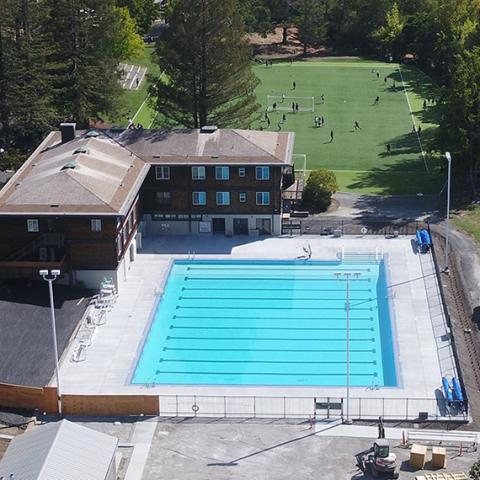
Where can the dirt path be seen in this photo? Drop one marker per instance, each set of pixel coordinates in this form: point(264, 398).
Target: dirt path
point(462, 297)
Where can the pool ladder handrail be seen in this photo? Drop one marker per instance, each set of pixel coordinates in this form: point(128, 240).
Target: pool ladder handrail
point(191, 255)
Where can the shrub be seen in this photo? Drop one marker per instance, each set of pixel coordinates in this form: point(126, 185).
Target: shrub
point(317, 194)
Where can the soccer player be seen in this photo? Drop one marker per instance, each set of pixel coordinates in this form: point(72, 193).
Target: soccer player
point(293, 107)
point(419, 131)
point(331, 136)
point(323, 98)
point(378, 75)
point(385, 80)
point(296, 107)
point(389, 148)
point(323, 121)
point(316, 121)
point(279, 126)
point(377, 100)
point(283, 97)
point(268, 121)
point(356, 126)
point(274, 106)
point(294, 85)
point(284, 118)
point(424, 104)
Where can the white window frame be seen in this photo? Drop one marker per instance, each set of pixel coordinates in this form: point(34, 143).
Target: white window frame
point(223, 194)
point(222, 169)
point(162, 172)
point(198, 169)
point(244, 194)
point(198, 198)
point(262, 198)
point(241, 172)
point(96, 225)
point(262, 170)
point(32, 225)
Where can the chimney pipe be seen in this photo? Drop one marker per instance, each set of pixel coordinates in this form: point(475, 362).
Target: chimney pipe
point(68, 131)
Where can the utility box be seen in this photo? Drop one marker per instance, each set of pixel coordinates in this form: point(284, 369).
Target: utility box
point(418, 456)
point(439, 457)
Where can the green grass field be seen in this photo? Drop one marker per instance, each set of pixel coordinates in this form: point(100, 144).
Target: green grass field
point(359, 158)
point(137, 101)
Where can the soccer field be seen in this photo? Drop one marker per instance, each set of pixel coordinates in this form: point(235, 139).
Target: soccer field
point(358, 157)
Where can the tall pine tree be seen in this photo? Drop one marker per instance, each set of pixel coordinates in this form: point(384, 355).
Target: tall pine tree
point(26, 110)
point(206, 59)
point(84, 33)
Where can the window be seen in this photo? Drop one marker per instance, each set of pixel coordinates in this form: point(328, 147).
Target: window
point(162, 173)
point(262, 173)
point(222, 173)
point(241, 172)
point(198, 173)
point(163, 198)
point(199, 198)
point(96, 225)
point(242, 197)
point(32, 225)
point(263, 198)
point(223, 198)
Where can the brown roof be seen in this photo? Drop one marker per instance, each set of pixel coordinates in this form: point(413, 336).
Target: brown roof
point(102, 175)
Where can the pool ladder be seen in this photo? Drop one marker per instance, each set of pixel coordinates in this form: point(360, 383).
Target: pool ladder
point(191, 255)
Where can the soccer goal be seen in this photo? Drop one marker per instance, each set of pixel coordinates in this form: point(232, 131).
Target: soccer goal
point(282, 102)
point(300, 162)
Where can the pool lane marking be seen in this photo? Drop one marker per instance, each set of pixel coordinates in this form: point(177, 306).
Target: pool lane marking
point(336, 319)
point(284, 279)
point(302, 350)
point(256, 307)
point(289, 329)
point(274, 362)
point(242, 374)
point(270, 339)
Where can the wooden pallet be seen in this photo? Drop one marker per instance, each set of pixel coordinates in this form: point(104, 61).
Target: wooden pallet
point(443, 476)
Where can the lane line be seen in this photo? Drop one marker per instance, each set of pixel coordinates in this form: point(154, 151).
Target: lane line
point(413, 120)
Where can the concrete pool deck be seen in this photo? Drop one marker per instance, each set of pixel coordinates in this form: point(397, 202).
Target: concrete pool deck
point(421, 335)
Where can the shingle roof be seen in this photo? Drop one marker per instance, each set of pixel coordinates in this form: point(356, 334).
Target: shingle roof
point(59, 451)
point(102, 174)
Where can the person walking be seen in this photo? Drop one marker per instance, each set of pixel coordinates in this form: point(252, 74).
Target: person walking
point(294, 85)
point(293, 107)
point(284, 118)
point(331, 136)
point(356, 126)
point(296, 107)
point(377, 100)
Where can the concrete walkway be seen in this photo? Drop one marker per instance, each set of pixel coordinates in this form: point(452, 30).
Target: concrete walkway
point(142, 441)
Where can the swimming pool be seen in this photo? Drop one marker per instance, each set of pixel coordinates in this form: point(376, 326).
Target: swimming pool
point(242, 322)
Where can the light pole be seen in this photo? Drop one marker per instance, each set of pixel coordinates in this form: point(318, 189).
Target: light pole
point(347, 276)
point(50, 277)
point(449, 159)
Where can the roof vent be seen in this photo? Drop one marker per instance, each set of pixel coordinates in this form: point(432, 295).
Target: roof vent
point(68, 131)
point(81, 149)
point(70, 165)
point(92, 134)
point(209, 129)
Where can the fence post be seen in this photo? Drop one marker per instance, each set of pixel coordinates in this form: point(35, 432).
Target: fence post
point(224, 406)
point(360, 408)
point(195, 403)
point(328, 407)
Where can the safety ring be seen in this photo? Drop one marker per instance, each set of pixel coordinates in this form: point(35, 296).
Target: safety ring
point(195, 408)
point(364, 230)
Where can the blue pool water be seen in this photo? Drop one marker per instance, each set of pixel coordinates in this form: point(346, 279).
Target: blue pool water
point(269, 323)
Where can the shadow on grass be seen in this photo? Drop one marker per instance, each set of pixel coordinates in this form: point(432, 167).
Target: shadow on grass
point(405, 177)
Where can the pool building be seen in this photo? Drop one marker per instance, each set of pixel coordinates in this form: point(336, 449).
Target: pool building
point(83, 200)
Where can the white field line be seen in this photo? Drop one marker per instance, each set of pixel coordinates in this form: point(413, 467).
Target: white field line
point(138, 111)
point(156, 115)
point(413, 120)
point(143, 72)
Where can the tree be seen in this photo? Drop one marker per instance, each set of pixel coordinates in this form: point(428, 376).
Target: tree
point(389, 34)
point(475, 471)
point(84, 33)
point(144, 12)
point(460, 128)
point(206, 59)
point(128, 43)
point(26, 110)
point(320, 186)
point(310, 22)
